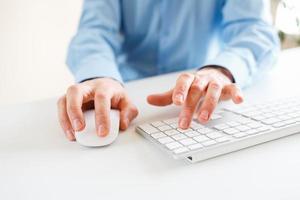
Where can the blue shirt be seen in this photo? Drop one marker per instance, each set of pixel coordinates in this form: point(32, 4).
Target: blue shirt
point(132, 39)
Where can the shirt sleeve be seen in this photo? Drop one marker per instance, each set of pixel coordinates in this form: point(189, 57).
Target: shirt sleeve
point(249, 42)
point(92, 50)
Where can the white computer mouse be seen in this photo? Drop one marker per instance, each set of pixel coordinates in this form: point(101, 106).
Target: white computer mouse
point(88, 136)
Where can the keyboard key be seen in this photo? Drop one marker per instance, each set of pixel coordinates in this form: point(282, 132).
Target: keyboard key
point(192, 133)
point(221, 127)
point(171, 121)
point(187, 141)
point(279, 124)
point(231, 131)
point(223, 139)
point(252, 131)
point(165, 140)
point(209, 143)
point(157, 124)
point(201, 138)
point(205, 130)
point(263, 129)
point(174, 125)
point(290, 121)
point(215, 116)
point(148, 128)
point(194, 125)
point(258, 117)
point(244, 120)
point(195, 146)
point(214, 135)
point(173, 145)
point(171, 132)
point(254, 125)
point(158, 135)
point(179, 136)
point(164, 128)
point(180, 150)
point(270, 121)
point(233, 124)
point(243, 128)
point(184, 130)
point(239, 135)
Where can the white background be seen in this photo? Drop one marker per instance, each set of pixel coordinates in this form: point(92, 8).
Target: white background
point(34, 36)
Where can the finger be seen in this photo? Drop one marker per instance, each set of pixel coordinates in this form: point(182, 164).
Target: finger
point(74, 100)
point(195, 93)
point(102, 111)
point(64, 119)
point(181, 88)
point(236, 94)
point(127, 113)
point(163, 99)
point(210, 102)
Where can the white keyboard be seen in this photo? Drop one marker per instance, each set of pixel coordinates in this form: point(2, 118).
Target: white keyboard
point(230, 129)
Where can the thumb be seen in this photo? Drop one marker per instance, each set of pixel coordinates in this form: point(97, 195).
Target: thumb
point(162, 99)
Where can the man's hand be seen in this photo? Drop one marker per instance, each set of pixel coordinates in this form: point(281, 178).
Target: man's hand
point(213, 84)
point(101, 94)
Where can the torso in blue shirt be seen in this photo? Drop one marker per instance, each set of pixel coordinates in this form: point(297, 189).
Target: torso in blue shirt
point(166, 36)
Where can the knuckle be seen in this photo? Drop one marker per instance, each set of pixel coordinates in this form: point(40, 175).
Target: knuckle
point(60, 102)
point(100, 95)
point(186, 75)
point(74, 109)
point(73, 89)
point(135, 111)
point(215, 85)
point(212, 101)
point(196, 88)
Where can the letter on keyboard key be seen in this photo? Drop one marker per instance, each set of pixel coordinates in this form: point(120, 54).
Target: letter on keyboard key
point(165, 140)
point(173, 145)
point(148, 128)
point(201, 138)
point(187, 141)
point(180, 150)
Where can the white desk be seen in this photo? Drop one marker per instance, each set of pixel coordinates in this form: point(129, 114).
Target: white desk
point(37, 162)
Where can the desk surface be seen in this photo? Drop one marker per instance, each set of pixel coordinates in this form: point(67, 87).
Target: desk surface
point(37, 162)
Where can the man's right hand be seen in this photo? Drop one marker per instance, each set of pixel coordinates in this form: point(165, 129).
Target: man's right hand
point(101, 94)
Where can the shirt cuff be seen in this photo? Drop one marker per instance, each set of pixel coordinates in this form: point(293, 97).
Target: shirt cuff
point(97, 68)
point(234, 64)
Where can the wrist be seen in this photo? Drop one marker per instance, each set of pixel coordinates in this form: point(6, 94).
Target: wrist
point(221, 69)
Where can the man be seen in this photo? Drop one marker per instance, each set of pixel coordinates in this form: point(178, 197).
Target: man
point(123, 40)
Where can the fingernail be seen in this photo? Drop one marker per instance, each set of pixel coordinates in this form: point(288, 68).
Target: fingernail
point(101, 131)
point(204, 115)
point(70, 134)
point(77, 124)
point(183, 123)
point(179, 98)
